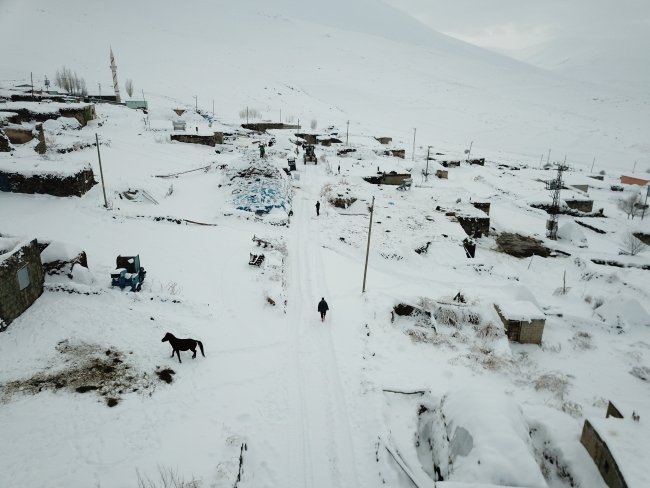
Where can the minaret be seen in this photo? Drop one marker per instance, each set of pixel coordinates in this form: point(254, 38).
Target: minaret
point(115, 85)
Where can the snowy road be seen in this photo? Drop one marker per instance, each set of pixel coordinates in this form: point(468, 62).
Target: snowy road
point(320, 450)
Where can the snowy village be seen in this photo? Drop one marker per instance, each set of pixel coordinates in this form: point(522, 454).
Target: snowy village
point(254, 245)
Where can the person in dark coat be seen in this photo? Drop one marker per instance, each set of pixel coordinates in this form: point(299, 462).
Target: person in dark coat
point(322, 308)
point(317, 209)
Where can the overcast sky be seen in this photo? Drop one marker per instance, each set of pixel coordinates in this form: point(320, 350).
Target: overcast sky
point(515, 24)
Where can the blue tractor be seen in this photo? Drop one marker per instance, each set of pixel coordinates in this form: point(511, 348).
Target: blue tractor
point(128, 272)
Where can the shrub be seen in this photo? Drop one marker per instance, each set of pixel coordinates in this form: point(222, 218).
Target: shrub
point(631, 245)
point(556, 382)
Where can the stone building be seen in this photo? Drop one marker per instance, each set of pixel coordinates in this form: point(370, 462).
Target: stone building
point(75, 180)
point(21, 277)
point(618, 446)
point(523, 321)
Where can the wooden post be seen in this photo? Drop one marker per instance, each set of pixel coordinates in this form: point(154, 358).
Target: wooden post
point(646, 202)
point(101, 171)
point(564, 284)
point(246, 115)
point(347, 132)
point(365, 269)
point(549, 156)
point(469, 153)
point(592, 165)
point(426, 173)
point(31, 75)
point(540, 161)
point(633, 167)
point(413, 155)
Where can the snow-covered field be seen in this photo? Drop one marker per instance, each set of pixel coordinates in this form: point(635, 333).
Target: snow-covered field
point(281, 399)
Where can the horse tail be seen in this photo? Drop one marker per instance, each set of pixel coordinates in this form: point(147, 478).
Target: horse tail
point(201, 346)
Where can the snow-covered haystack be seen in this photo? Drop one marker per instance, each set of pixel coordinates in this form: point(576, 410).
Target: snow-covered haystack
point(63, 261)
point(624, 311)
point(482, 437)
point(571, 232)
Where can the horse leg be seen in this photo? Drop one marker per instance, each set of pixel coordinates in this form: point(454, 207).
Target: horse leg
point(194, 351)
point(178, 353)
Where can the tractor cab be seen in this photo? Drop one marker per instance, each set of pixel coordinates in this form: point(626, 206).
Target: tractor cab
point(128, 272)
point(310, 154)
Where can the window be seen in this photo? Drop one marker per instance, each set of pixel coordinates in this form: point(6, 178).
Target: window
point(23, 278)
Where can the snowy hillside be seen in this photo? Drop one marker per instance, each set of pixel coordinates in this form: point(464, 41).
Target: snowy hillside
point(416, 381)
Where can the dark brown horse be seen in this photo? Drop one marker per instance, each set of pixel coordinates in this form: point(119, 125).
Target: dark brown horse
point(179, 345)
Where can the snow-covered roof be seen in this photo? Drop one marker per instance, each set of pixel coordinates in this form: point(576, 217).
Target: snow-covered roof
point(60, 251)
point(623, 310)
point(519, 310)
point(627, 440)
point(37, 166)
point(10, 245)
point(496, 447)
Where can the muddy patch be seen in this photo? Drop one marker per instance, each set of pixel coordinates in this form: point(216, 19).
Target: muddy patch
point(88, 369)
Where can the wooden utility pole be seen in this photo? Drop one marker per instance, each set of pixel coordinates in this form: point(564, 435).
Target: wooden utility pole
point(646, 202)
point(592, 165)
point(633, 167)
point(426, 173)
point(365, 269)
point(246, 115)
point(347, 133)
point(413, 155)
point(469, 153)
point(549, 156)
point(31, 75)
point(101, 171)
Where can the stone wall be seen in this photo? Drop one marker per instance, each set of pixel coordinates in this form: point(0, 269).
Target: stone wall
point(13, 300)
point(600, 453)
point(444, 174)
point(76, 185)
point(264, 126)
point(388, 179)
point(586, 206)
point(5, 144)
point(474, 226)
point(193, 139)
point(532, 332)
point(83, 114)
point(483, 207)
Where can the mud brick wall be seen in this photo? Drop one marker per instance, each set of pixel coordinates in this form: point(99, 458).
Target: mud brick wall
point(531, 333)
point(474, 226)
point(5, 145)
point(76, 185)
point(13, 300)
point(193, 139)
point(600, 453)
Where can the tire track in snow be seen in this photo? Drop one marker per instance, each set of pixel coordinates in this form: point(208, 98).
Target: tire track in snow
point(316, 397)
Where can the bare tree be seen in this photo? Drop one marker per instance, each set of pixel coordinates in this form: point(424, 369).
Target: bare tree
point(630, 205)
point(314, 124)
point(632, 245)
point(70, 82)
point(129, 86)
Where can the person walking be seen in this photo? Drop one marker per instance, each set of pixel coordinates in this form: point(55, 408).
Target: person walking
point(339, 168)
point(322, 308)
point(317, 209)
point(261, 150)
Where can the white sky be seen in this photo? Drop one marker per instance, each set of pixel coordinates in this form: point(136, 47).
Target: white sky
point(516, 24)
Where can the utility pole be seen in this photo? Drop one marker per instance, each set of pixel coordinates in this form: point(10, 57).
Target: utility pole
point(555, 186)
point(101, 171)
point(32, 77)
point(143, 99)
point(100, 91)
point(280, 115)
point(549, 156)
point(540, 161)
point(469, 153)
point(426, 173)
point(646, 202)
point(347, 133)
point(365, 270)
point(213, 109)
point(413, 155)
point(592, 165)
point(246, 115)
point(633, 167)
point(196, 101)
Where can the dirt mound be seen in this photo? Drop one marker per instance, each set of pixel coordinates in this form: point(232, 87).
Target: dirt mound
point(88, 368)
point(521, 246)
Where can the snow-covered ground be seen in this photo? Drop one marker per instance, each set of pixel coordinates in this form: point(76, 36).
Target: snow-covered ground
point(281, 399)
